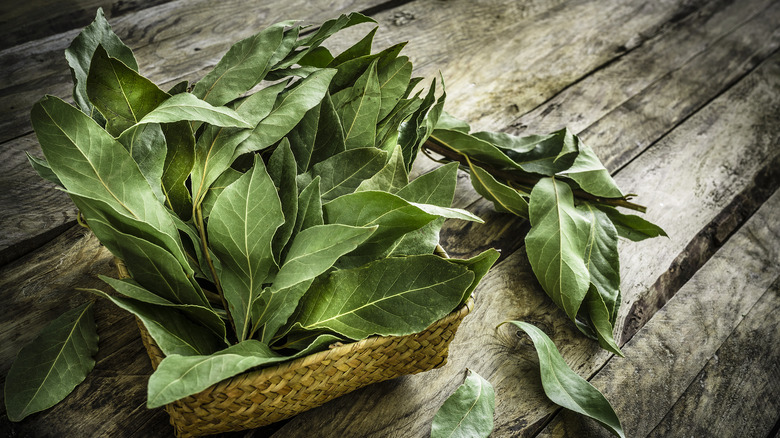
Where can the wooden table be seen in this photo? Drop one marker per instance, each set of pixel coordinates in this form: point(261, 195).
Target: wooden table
point(680, 99)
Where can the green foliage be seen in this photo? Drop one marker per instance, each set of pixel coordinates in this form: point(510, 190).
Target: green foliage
point(468, 413)
point(268, 213)
point(245, 210)
point(564, 387)
point(47, 370)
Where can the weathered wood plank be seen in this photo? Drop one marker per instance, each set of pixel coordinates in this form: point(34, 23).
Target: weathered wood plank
point(736, 393)
point(719, 317)
point(691, 170)
point(26, 21)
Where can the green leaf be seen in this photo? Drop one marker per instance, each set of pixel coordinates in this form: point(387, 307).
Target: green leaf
point(393, 296)
point(146, 144)
point(319, 57)
point(387, 132)
point(553, 154)
point(358, 108)
point(244, 65)
point(178, 164)
point(149, 264)
point(173, 332)
point(630, 226)
point(391, 178)
point(179, 376)
point(556, 244)
point(361, 48)
point(329, 140)
point(567, 389)
point(229, 176)
point(474, 148)
point(413, 132)
point(342, 173)
point(449, 122)
point(349, 71)
point(204, 316)
point(186, 106)
point(315, 249)
point(601, 257)
point(46, 370)
point(92, 164)
point(436, 187)
point(479, 265)
point(216, 148)
point(394, 216)
point(289, 110)
point(468, 413)
point(511, 144)
point(43, 169)
point(122, 95)
point(79, 56)
point(282, 169)
point(240, 230)
point(313, 252)
point(505, 199)
point(393, 81)
point(309, 207)
point(599, 316)
point(314, 40)
point(588, 172)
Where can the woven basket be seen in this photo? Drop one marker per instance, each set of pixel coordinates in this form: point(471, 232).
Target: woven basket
point(261, 397)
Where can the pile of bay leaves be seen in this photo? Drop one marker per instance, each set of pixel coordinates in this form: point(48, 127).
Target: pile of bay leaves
point(266, 212)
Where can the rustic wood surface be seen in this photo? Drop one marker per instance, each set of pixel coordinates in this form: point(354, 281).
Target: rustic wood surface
point(680, 99)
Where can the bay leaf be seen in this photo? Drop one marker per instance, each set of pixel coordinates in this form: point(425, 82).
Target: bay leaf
point(473, 147)
point(120, 93)
point(449, 122)
point(147, 146)
point(390, 297)
point(206, 317)
point(313, 252)
point(215, 150)
point(46, 370)
point(173, 332)
point(393, 81)
point(630, 226)
point(229, 176)
point(556, 244)
point(79, 56)
point(361, 48)
point(479, 265)
point(92, 164)
point(342, 173)
point(358, 108)
point(186, 106)
point(505, 199)
point(179, 160)
point(467, 413)
point(391, 178)
point(179, 376)
point(598, 313)
point(43, 169)
point(289, 109)
point(592, 177)
point(241, 227)
point(601, 257)
point(567, 389)
point(243, 66)
point(283, 170)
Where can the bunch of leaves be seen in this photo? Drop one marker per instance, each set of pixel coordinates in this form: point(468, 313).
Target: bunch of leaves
point(263, 215)
point(558, 184)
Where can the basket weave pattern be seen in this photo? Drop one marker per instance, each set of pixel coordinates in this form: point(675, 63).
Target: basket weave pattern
point(261, 397)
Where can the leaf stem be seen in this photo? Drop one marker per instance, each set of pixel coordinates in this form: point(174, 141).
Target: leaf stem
point(509, 178)
point(202, 231)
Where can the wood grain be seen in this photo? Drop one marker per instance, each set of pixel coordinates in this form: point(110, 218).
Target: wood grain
point(692, 170)
point(718, 320)
point(32, 20)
